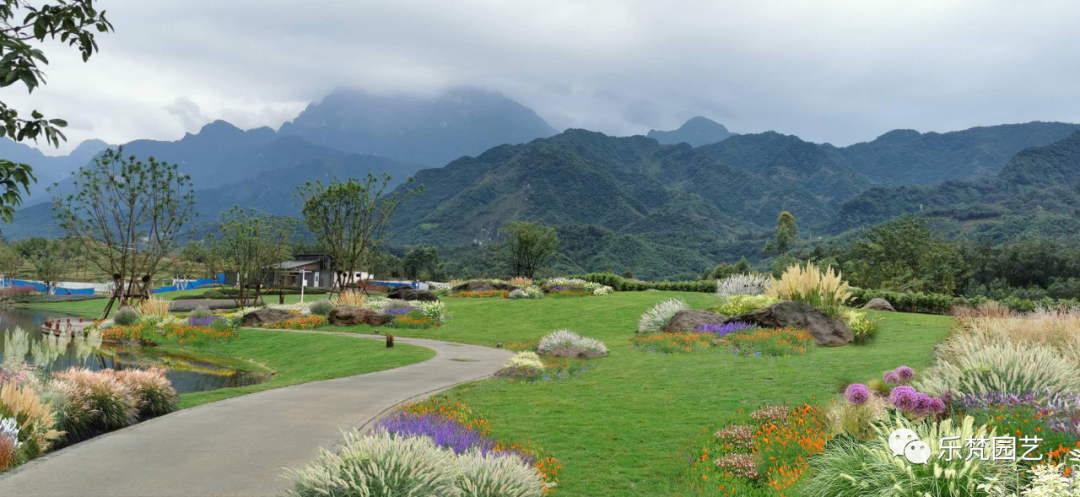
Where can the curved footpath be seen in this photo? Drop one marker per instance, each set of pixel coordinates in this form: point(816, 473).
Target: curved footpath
point(241, 446)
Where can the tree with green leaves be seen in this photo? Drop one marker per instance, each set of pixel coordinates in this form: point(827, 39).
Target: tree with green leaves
point(527, 246)
point(905, 255)
point(127, 214)
point(423, 262)
point(349, 219)
point(24, 28)
point(786, 232)
point(48, 268)
point(251, 245)
point(10, 261)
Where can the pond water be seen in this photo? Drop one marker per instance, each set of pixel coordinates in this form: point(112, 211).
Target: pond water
point(188, 373)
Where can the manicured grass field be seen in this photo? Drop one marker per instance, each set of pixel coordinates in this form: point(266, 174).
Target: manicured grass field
point(619, 428)
point(302, 357)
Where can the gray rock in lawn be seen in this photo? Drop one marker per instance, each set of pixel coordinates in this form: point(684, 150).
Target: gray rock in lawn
point(265, 316)
point(691, 320)
point(344, 315)
point(827, 332)
point(406, 293)
point(484, 286)
point(879, 305)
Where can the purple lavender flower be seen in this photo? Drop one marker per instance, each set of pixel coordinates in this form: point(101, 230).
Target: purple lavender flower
point(937, 405)
point(903, 398)
point(204, 322)
point(857, 393)
point(906, 374)
point(892, 378)
point(445, 432)
point(399, 311)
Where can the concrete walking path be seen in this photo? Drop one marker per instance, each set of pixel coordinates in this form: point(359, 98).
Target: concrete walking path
point(241, 446)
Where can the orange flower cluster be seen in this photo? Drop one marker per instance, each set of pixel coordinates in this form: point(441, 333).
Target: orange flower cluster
point(521, 346)
point(770, 342)
point(486, 294)
point(546, 466)
point(414, 322)
point(673, 343)
point(309, 322)
point(569, 293)
point(781, 450)
point(183, 334)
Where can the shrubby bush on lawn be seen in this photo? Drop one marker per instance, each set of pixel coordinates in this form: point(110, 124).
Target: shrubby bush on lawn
point(524, 365)
point(735, 305)
point(321, 307)
point(654, 319)
point(565, 343)
point(862, 327)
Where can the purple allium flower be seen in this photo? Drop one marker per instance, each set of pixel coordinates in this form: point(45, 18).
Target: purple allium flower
point(937, 405)
point(903, 398)
point(906, 374)
point(922, 404)
point(892, 378)
point(857, 393)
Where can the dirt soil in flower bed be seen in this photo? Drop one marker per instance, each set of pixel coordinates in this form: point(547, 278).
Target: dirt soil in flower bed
point(191, 304)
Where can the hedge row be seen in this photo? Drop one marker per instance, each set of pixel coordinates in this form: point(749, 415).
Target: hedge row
point(937, 303)
point(620, 284)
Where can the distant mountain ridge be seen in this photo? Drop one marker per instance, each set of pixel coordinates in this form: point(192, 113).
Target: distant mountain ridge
point(49, 169)
point(432, 132)
point(697, 131)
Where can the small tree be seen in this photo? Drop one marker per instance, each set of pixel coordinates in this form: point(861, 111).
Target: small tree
point(10, 261)
point(251, 245)
point(127, 214)
point(786, 231)
point(48, 269)
point(527, 246)
point(423, 262)
point(349, 219)
point(22, 26)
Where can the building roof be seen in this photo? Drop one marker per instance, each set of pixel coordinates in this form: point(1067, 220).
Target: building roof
point(295, 264)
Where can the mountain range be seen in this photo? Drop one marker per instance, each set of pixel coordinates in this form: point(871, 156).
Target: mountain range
point(660, 205)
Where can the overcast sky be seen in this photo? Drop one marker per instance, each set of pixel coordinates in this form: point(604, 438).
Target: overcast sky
point(827, 71)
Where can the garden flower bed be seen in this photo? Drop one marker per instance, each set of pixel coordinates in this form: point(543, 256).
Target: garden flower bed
point(734, 338)
point(207, 333)
point(309, 322)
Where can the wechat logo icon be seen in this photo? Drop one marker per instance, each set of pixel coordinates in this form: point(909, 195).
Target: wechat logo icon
point(904, 442)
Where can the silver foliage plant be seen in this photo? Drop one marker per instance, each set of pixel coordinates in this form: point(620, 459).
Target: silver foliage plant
point(382, 464)
point(567, 339)
point(743, 284)
point(654, 319)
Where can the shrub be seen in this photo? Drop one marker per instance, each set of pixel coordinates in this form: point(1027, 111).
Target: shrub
point(116, 407)
point(126, 316)
point(658, 316)
point(972, 364)
point(743, 284)
point(735, 305)
point(33, 417)
point(201, 312)
point(321, 307)
point(378, 464)
point(927, 303)
point(602, 290)
point(154, 392)
point(432, 310)
point(565, 343)
point(523, 365)
point(825, 290)
point(862, 327)
point(624, 285)
point(154, 307)
point(852, 469)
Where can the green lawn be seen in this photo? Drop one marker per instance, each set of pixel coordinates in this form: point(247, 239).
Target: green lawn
point(299, 358)
point(620, 427)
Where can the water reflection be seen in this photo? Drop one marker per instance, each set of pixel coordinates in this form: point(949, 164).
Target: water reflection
point(188, 373)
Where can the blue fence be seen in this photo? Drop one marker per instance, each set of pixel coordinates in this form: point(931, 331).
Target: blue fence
point(394, 284)
point(219, 279)
point(40, 287)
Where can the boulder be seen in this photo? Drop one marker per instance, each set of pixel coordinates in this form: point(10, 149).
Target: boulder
point(879, 305)
point(265, 316)
point(406, 293)
point(484, 286)
point(827, 332)
point(344, 315)
point(691, 320)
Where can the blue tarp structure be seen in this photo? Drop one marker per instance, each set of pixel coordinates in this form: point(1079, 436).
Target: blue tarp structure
point(394, 284)
point(219, 279)
point(56, 291)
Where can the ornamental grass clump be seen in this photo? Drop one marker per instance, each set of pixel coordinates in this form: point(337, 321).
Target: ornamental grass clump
point(853, 469)
point(201, 312)
point(126, 316)
point(154, 392)
point(824, 290)
point(351, 298)
point(524, 365)
point(34, 418)
point(654, 319)
point(10, 446)
point(972, 364)
point(862, 327)
point(565, 343)
point(154, 307)
point(741, 304)
point(321, 307)
point(496, 475)
point(115, 405)
point(743, 284)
